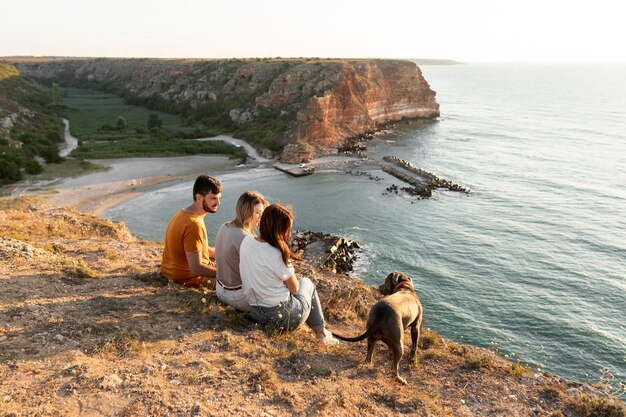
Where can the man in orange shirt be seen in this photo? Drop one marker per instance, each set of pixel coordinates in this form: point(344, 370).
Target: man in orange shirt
point(187, 256)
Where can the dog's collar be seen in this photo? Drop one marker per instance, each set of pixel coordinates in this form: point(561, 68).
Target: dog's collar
point(399, 284)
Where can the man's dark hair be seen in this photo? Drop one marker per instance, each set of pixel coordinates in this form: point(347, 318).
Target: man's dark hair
point(204, 185)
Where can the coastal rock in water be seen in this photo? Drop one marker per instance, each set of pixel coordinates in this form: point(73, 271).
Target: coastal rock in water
point(326, 251)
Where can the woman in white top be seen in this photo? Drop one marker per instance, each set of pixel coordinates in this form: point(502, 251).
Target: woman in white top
point(275, 295)
point(248, 212)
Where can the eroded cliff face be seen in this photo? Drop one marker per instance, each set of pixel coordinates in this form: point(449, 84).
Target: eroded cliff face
point(319, 102)
point(367, 94)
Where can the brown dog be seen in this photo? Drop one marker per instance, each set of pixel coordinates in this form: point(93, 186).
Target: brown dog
point(389, 318)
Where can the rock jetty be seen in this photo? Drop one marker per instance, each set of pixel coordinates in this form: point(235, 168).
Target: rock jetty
point(422, 182)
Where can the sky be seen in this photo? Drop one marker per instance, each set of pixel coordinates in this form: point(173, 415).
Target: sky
point(462, 30)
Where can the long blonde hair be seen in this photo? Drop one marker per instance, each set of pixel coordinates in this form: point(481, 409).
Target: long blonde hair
point(245, 208)
point(276, 223)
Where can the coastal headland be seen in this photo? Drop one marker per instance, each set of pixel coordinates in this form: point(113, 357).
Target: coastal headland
point(273, 103)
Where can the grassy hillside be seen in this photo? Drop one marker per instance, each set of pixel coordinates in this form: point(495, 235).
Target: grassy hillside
point(90, 328)
point(29, 127)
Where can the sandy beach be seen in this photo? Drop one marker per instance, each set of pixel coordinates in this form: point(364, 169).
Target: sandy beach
point(130, 177)
point(127, 178)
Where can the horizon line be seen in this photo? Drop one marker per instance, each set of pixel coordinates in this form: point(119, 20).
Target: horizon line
point(451, 60)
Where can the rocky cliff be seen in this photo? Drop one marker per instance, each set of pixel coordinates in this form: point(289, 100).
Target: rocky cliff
point(316, 102)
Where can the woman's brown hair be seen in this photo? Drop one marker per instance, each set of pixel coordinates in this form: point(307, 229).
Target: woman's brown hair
point(275, 229)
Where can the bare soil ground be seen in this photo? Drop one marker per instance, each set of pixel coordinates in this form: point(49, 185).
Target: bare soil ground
point(88, 327)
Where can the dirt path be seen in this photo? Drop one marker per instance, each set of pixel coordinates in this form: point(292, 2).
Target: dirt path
point(253, 154)
point(70, 141)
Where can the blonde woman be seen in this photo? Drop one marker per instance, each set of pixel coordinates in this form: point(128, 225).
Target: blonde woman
point(248, 212)
point(276, 296)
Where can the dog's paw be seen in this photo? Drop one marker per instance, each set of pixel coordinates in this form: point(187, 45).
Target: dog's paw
point(402, 380)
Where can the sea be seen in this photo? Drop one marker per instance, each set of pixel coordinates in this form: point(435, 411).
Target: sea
point(532, 263)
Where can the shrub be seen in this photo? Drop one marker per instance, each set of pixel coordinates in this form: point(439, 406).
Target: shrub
point(592, 406)
point(121, 123)
point(9, 171)
point(518, 369)
point(32, 167)
point(430, 338)
point(154, 121)
point(476, 363)
point(50, 154)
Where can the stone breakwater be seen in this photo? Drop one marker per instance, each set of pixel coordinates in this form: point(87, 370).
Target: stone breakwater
point(422, 182)
point(320, 103)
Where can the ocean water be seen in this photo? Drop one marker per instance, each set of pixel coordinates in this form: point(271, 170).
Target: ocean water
point(533, 261)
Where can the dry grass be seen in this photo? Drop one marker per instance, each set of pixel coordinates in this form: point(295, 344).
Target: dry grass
point(519, 370)
point(131, 343)
point(430, 339)
point(120, 343)
point(477, 363)
point(596, 406)
point(76, 268)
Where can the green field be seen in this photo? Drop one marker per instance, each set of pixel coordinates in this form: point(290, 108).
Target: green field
point(154, 147)
point(93, 115)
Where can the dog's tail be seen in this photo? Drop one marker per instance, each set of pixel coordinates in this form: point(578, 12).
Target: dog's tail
point(354, 339)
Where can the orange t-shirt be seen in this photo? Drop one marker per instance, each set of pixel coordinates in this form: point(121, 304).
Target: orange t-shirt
point(185, 233)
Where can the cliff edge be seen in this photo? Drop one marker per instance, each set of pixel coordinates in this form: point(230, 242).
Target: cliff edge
point(87, 326)
point(272, 103)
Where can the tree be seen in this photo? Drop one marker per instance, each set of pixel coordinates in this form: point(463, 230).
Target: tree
point(50, 154)
point(154, 121)
point(9, 172)
point(121, 123)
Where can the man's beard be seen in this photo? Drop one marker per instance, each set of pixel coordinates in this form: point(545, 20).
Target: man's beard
point(208, 209)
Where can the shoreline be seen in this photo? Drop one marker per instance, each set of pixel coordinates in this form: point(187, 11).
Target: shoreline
point(129, 178)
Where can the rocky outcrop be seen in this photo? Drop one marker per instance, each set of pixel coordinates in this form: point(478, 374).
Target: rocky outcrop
point(316, 102)
point(322, 250)
point(296, 153)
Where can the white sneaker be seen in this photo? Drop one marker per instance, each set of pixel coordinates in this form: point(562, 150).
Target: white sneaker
point(327, 338)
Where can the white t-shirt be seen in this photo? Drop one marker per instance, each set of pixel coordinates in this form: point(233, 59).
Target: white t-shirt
point(263, 273)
